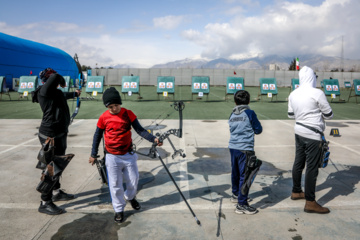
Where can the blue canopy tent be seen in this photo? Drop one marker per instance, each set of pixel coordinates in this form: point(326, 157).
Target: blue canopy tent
point(20, 57)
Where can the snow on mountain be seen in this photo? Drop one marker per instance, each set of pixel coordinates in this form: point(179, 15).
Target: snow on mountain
point(185, 63)
point(317, 62)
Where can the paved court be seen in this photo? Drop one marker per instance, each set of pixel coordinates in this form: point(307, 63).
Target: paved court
point(203, 176)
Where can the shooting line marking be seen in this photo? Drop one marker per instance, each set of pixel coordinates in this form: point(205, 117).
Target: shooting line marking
point(264, 116)
point(331, 141)
point(26, 142)
point(19, 145)
point(151, 208)
point(286, 123)
point(346, 147)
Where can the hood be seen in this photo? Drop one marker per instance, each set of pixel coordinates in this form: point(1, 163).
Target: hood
point(239, 109)
point(307, 77)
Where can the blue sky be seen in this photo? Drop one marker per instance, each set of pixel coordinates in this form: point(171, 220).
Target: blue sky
point(143, 33)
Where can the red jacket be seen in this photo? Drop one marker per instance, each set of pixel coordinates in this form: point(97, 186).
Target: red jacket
point(117, 130)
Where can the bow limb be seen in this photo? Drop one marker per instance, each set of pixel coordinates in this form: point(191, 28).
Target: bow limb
point(78, 102)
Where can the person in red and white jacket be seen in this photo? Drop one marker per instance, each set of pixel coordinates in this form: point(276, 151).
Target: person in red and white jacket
point(309, 106)
point(115, 124)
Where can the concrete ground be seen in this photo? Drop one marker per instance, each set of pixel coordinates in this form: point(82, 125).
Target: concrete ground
point(203, 176)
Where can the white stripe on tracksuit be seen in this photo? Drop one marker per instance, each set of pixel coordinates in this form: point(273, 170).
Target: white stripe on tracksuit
point(119, 168)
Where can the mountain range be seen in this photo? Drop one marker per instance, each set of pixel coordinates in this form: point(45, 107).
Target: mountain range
point(317, 62)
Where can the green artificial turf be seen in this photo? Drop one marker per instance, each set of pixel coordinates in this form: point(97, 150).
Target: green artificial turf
point(212, 107)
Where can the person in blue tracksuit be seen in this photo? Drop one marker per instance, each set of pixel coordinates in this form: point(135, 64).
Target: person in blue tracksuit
point(243, 124)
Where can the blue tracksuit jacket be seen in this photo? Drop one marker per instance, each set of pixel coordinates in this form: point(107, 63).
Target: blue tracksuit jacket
point(243, 124)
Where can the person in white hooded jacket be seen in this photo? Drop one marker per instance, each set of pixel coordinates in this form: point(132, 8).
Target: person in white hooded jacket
point(309, 106)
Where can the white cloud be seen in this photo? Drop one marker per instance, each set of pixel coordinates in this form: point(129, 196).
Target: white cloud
point(43, 30)
point(131, 51)
point(93, 46)
point(235, 10)
point(242, 2)
point(284, 29)
point(64, 36)
point(135, 27)
point(62, 27)
point(168, 22)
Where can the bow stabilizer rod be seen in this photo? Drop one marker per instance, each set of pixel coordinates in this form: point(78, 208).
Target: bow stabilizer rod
point(177, 187)
point(179, 106)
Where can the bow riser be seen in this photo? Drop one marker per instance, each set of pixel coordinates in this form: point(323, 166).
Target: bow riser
point(178, 106)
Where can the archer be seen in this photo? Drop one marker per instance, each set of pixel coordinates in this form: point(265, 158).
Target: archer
point(120, 158)
point(54, 124)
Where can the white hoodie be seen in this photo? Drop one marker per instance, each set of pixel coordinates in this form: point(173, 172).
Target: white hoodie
point(308, 105)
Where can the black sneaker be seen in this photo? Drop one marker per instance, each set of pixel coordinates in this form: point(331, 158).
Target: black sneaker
point(135, 204)
point(62, 196)
point(119, 217)
point(245, 209)
point(50, 208)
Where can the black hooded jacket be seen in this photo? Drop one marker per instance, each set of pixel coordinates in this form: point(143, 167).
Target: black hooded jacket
point(53, 103)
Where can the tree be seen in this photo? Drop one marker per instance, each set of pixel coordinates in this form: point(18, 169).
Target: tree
point(85, 68)
point(292, 66)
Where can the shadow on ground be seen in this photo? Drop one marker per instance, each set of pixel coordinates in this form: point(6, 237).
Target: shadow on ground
point(90, 226)
point(275, 183)
point(340, 183)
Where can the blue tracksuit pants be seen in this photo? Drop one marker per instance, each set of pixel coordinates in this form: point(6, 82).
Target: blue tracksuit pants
point(238, 164)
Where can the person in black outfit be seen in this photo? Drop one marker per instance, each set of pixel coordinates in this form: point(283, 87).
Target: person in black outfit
point(55, 123)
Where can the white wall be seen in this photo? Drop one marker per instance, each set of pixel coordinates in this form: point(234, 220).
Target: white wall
point(148, 76)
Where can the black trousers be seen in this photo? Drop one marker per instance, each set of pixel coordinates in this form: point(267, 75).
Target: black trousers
point(308, 152)
point(60, 148)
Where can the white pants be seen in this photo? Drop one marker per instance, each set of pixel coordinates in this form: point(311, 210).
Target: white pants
point(122, 169)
